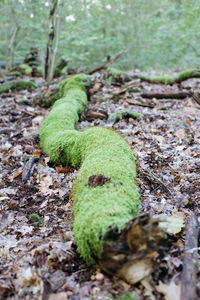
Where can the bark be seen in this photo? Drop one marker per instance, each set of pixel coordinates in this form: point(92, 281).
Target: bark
point(108, 62)
point(189, 273)
point(11, 48)
point(169, 95)
point(50, 40)
point(53, 60)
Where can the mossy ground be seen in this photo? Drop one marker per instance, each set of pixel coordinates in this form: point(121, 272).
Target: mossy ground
point(17, 86)
point(97, 151)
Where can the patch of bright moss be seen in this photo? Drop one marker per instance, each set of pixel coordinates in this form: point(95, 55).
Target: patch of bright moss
point(98, 151)
point(17, 86)
point(39, 70)
point(184, 75)
point(125, 296)
point(15, 73)
point(36, 220)
point(161, 79)
point(26, 69)
point(59, 71)
point(124, 114)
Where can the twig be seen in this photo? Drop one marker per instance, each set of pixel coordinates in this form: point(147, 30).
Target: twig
point(155, 178)
point(196, 97)
point(134, 102)
point(108, 62)
point(29, 168)
point(167, 95)
point(189, 273)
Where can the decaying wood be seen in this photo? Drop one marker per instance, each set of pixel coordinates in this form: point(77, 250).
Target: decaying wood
point(189, 272)
point(29, 168)
point(62, 63)
point(196, 97)
point(166, 95)
point(130, 254)
point(138, 103)
point(108, 62)
point(92, 114)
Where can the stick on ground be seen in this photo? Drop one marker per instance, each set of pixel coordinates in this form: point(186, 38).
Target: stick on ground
point(189, 272)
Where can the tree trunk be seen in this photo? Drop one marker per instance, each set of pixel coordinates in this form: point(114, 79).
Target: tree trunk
point(50, 40)
point(53, 60)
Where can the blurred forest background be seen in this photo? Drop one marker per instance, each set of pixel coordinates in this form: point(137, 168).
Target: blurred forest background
point(158, 35)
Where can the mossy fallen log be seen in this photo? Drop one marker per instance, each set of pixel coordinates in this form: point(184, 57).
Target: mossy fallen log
point(105, 194)
point(184, 75)
point(16, 85)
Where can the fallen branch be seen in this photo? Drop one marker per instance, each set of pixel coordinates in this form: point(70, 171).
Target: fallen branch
point(196, 97)
point(138, 103)
point(166, 95)
point(108, 62)
point(154, 178)
point(189, 272)
point(180, 77)
point(29, 168)
point(105, 194)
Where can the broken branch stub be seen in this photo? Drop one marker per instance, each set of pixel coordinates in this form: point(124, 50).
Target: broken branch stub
point(105, 195)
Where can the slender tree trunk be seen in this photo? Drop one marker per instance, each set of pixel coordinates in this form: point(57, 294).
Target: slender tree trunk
point(50, 40)
point(11, 47)
point(179, 8)
point(53, 60)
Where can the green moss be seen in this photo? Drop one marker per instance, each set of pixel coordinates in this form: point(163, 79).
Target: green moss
point(184, 75)
point(26, 69)
point(115, 72)
point(161, 79)
point(36, 220)
point(17, 86)
point(59, 71)
point(98, 151)
point(39, 70)
point(126, 296)
point(124, 114)
point(15, 73)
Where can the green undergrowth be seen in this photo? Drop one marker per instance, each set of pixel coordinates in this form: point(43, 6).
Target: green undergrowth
point(16, 86)
point(104, 193)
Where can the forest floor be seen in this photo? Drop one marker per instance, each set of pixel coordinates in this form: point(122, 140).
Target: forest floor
point(38, 254)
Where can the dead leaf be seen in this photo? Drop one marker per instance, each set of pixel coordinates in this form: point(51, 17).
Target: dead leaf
point(171, 291)
point(174, 223)
point(45, 183)
point(15, 174)
point(58, 296)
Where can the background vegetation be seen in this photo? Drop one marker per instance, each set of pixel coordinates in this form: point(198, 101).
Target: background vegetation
point(159, 35)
